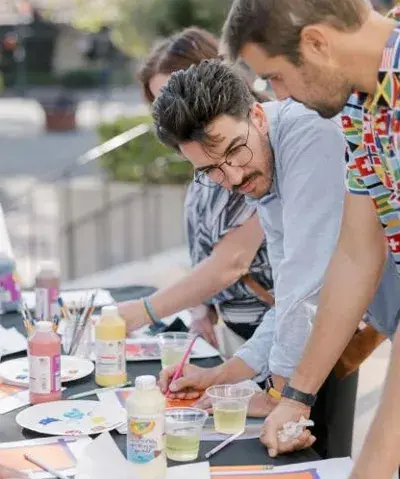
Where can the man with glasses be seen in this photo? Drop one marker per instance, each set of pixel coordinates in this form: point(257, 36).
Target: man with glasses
point(290, 163)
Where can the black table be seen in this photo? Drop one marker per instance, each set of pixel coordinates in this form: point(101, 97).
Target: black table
point(238, 453)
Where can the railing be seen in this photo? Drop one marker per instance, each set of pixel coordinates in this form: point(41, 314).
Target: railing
point(90, 223)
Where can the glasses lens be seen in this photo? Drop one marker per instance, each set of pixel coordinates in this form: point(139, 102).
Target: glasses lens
point(211, 179)
point(240, 156)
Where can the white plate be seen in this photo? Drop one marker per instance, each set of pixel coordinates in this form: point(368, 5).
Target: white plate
point(16, 371)
point(70, 418)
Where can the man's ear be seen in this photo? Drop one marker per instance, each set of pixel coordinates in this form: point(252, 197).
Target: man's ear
point(259, 118)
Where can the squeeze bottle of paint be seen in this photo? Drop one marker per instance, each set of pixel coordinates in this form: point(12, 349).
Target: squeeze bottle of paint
point(145, 446)
point(10, 290)
point(44, 350)
point(110, 335)
point(47, 291)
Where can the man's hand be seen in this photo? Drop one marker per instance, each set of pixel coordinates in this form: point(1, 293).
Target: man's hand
point(6, 473)
point(191, 385)
point(261, 405)
point(286, 411)
point(203, 321)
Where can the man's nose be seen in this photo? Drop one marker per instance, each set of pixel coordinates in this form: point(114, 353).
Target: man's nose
point(234, 174)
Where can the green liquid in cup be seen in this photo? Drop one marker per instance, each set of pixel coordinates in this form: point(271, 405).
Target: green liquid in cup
point(183, 445)
point(229, 418)
point(171, 356)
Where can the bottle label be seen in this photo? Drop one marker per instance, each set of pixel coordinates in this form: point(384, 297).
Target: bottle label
point(145, 440)
point(44, 374)
point(47, 306)
point(110, 357)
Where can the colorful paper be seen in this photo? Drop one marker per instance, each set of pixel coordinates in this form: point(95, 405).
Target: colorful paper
point(148, 349)
point(12, 397)
point(256, 472)
point(60, 453)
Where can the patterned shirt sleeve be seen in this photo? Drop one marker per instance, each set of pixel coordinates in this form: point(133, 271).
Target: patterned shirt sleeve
point(353, 181)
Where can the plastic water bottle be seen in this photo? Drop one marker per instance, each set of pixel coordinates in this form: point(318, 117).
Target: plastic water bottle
point(47, 291)
point(145, 440)
point(10, 290)
point(44, 353)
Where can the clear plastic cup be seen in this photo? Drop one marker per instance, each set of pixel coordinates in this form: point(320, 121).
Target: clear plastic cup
point(183, 428)
point(173, 347)
point(230, 403)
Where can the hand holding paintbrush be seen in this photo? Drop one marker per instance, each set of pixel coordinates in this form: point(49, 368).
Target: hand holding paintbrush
point(179, 369)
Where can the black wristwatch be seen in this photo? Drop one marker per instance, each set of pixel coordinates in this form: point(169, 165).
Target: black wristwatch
point(304, 398)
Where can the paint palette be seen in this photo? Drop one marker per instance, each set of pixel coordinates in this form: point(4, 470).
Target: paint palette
point(16, 371)
point(71, 418)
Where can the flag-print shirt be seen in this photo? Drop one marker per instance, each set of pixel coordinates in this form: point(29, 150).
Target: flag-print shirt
point(371, 124)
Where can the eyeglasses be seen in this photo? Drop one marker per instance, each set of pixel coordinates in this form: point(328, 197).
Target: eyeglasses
point(238, 156)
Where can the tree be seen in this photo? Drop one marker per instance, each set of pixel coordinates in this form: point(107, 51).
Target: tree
point(135, 24)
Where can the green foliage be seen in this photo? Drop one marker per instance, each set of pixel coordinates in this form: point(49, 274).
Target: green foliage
point(135, 24)
point(143, 159)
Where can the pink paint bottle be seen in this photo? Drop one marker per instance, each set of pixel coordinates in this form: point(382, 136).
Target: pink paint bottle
point(47, 291)
point(44, 354)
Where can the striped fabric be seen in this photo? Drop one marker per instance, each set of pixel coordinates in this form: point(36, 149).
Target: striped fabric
point(210, 214)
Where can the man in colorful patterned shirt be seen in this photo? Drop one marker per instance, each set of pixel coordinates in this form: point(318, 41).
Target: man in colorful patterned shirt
point(333, 56)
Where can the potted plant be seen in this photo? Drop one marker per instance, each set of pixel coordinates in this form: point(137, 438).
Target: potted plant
point(60, 111)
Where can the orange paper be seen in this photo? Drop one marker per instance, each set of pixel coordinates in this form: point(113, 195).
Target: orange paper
point(242, 472)
point(180, 402)
point(54, 455)
point(7, 390)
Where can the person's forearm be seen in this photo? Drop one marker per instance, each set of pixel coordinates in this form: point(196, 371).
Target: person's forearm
point(206, 280)
point(233, 371)
point(348, 289)
point(380, 456)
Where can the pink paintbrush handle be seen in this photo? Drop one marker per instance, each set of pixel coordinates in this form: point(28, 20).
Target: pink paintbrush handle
point(179, 369)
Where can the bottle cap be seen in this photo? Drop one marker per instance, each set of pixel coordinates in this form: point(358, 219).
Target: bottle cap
point(109, 311)
point(49, 267)
point(44, 326)
point(145, 382)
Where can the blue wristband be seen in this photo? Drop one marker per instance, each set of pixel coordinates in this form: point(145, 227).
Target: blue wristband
point(150, 311)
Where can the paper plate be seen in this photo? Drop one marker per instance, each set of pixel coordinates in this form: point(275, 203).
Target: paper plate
point(16, 371)
point(71, 418)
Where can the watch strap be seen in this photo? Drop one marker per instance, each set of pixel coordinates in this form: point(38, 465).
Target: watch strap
point(271, 391)
point(305, 398)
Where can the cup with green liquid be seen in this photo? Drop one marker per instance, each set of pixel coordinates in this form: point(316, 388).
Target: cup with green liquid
point(183, 428)
point(173, 347)
point(230, 403)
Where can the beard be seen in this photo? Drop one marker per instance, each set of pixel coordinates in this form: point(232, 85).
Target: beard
point(264, 174)
point(328, 91)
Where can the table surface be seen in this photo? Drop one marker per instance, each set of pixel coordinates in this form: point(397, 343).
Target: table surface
point(238, 453)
